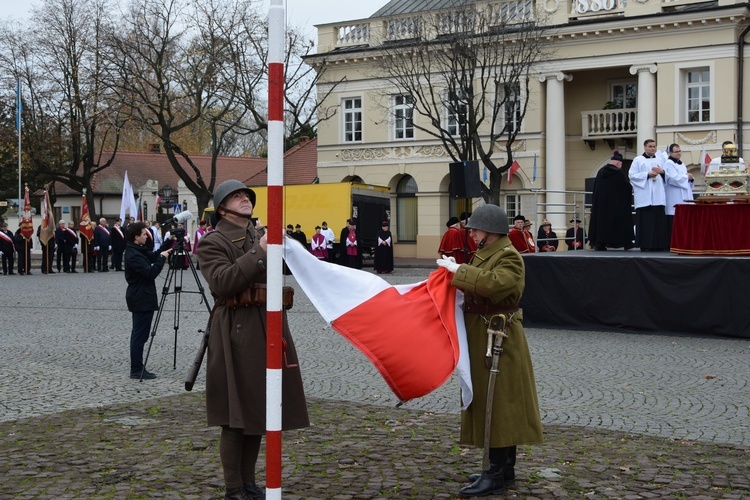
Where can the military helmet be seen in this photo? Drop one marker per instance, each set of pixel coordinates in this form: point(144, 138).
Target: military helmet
point(225, 189)
point(489, 218)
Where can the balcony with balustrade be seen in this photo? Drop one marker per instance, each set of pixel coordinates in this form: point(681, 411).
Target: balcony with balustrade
point(609, 125)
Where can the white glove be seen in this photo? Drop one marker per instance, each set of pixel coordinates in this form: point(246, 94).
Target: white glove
point(1, 252)
point(96, 248)
point(449, 263)
point(110, 247)
point(75, 247)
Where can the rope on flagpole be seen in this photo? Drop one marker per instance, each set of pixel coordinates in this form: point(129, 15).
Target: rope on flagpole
point(276, 42)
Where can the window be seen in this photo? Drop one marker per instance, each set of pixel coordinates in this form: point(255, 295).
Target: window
point(623, 95)
point(510, 96)
point(456, 117)
point(406, 204)
point(512, 206)
point(353, 119)
point(698, 96)
point(404, 111)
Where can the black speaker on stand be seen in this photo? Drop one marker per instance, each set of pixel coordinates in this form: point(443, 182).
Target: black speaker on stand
point(465, 181)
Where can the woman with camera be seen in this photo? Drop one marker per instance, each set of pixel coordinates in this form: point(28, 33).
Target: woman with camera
point(141, 269)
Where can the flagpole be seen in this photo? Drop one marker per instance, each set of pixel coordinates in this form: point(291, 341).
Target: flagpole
point(18, 129)
point(274, 314)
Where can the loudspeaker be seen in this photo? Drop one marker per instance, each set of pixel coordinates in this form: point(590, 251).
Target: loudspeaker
point(589, 187)
point(465, 181)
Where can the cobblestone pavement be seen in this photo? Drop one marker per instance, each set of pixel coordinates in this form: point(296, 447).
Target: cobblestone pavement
point(626, 415)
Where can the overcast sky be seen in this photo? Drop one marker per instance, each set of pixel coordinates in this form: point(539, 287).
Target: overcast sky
point(299, 12)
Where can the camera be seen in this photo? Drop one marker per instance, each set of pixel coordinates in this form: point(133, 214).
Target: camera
point(178, 233)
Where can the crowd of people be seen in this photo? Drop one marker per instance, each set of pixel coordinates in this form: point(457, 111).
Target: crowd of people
point(69, 251)
point(348, 251)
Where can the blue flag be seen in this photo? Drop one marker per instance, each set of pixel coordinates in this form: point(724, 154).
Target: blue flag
point(533, 175)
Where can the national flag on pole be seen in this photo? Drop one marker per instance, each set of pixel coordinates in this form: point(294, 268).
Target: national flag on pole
point(533, 175)
point(19, 106)
point(27, 225)
point(140, 211)
point(413, 334)
point(705, 161)
point(128, 199)
point(47, 232)
point(512, 170)
point(84, 226)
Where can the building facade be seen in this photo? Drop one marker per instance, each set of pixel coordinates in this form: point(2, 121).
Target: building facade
point(617, 72)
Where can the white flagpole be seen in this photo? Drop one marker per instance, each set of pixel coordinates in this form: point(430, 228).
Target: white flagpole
point(19, 109)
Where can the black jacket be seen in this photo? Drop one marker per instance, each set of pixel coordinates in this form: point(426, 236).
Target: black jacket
point(141, 269)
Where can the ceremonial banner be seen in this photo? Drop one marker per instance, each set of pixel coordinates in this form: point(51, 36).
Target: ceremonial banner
point(413, 334)
point(27, 225)
point(84, 226)
point(48, 224)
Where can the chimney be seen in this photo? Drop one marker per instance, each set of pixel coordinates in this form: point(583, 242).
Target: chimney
point(154, 147)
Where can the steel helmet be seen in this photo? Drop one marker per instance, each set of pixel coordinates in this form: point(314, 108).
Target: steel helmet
point(225, 189)
point(489, 218)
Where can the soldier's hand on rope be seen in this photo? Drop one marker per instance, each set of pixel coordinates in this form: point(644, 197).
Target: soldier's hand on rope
point(448, 263)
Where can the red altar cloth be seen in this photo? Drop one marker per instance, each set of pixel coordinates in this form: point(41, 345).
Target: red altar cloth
point(711, 229)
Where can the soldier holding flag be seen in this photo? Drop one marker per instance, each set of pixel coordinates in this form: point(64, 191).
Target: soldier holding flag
point(504, 412)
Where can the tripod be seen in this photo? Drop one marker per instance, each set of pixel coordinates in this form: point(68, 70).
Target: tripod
point(179, 255)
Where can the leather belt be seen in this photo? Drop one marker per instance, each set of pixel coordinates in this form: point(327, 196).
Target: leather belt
point(472, 307)
point(256, 296)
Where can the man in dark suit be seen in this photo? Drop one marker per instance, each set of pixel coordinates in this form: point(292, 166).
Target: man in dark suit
point(102, 245)
point(118, 240)
point(71, 247)
point(8, 248)
point(60, 240)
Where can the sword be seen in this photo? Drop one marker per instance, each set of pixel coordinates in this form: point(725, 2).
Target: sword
point(496, 329)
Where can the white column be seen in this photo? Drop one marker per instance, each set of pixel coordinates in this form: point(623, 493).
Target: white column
point(646, 103)
point(555, 146)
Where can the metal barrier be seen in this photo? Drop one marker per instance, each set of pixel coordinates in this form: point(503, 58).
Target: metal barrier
point(575, 209)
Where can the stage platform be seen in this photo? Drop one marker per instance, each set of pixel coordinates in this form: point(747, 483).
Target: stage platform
point(638, 291)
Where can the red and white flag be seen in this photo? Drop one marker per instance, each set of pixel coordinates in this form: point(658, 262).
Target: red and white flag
point(705, 161)
point(512, 170)
point(414, 334)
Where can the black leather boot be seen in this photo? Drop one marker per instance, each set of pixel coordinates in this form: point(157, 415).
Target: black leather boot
point(253, 492)
point(509, 474)
point(492, 481)
point(237, 494)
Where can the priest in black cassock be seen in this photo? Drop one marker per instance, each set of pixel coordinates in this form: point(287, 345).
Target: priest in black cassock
point(384, 250)
point(611, 223)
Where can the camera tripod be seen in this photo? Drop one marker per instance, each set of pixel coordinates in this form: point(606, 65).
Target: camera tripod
point(176, 263)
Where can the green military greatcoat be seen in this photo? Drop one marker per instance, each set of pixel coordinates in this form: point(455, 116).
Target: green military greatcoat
point(236, 367)
point(496, 277)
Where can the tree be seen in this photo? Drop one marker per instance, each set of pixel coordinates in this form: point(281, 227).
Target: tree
point(67, 114)
point(182, 67)
point(466, 71)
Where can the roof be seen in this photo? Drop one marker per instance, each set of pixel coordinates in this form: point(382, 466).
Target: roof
point(399, 7)
point(300, 167)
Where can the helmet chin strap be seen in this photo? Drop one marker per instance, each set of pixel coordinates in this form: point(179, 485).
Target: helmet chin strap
point(238, 214)
point(481, 243)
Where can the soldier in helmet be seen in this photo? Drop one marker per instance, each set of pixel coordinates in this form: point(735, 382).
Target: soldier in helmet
point(232, 258)
point(493, 283)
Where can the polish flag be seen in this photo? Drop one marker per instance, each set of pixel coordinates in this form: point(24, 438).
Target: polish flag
point(414, 334)
point(705, 161)
point(512, 170)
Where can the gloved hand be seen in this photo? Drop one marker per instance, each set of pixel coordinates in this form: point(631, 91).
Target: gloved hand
point(110, 247)
point(75, 247)
point(449, 263)
point(96, 248)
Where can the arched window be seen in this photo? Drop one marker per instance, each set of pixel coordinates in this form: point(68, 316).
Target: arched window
point(406, 203)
